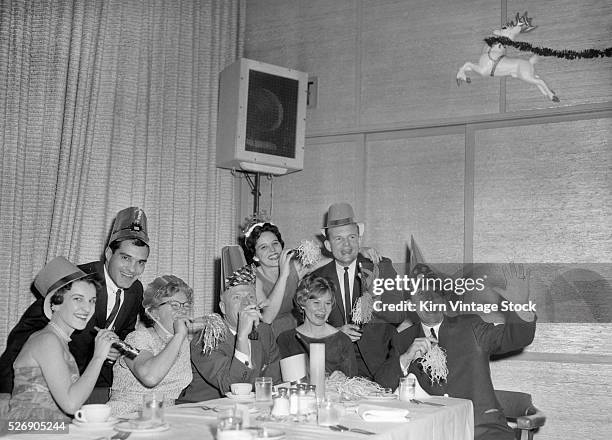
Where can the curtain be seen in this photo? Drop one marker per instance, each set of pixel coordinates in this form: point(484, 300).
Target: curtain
point(107, 104)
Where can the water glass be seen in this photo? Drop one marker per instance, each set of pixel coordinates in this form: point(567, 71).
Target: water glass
point(153, 408)
point(327, 413)
point(263, 389)
point(407, 387)
point(229, 419)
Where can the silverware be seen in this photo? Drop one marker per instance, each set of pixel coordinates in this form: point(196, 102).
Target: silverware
point(342, 428)
point(418, 402)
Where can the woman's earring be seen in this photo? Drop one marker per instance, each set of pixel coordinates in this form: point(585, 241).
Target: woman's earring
point(255, 259)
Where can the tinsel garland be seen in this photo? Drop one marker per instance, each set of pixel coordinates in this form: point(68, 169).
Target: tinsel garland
point(547, 52)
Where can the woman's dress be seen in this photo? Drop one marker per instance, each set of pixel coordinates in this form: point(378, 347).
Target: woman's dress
point(285, 319)
point(31, 398)
point(127, 392)
point(339, 351)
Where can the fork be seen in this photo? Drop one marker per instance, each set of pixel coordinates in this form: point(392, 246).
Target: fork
point(342, 428)
point(121, 435)
point(418, 402)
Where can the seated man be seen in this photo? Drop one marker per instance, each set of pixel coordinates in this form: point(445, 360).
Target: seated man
point(467, 342)
point(238, 357)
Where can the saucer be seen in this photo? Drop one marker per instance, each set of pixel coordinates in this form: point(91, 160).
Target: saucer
point(95, 425)
point(128, 426)
point(241, 398)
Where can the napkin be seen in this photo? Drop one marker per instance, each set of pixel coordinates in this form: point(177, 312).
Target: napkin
point(376, 413)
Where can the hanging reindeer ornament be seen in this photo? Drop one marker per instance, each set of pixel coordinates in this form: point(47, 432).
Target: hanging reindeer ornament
point(493, 61)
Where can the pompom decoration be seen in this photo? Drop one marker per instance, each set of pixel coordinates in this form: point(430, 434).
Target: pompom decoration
point(434, 364)
point(212, 333)
point(362, 311)
point(308, 253)
point(364, 306)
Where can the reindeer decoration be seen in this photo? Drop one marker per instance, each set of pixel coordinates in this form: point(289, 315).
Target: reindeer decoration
point(493, 61)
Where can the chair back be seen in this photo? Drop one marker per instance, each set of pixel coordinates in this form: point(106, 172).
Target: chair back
point(515, 404)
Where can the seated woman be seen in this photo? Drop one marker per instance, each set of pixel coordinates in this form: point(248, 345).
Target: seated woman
point(278, 274)
point(47, 382)
point(315, 297)
point(163, 364)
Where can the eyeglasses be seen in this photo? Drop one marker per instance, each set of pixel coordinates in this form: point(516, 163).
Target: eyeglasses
point(176, 305)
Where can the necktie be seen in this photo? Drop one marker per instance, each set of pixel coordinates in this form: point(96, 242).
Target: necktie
point(433, 333)
point(115, 310)
point(347, 295)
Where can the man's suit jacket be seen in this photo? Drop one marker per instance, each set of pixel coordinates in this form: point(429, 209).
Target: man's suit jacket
point(214, 373)
point(82, 344)
point(469, 342)
point(373, 349)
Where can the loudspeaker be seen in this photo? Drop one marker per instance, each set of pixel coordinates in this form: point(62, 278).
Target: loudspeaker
point(262, 117)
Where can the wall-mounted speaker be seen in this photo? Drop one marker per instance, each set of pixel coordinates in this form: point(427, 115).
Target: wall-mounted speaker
point(262, 117)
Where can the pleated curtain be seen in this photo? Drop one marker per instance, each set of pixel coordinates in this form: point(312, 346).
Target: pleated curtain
point(103, 105)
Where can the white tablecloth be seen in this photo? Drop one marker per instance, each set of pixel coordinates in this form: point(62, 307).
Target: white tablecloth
point(453, 421)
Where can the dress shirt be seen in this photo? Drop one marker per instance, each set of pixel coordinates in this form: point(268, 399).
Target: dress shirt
point(242, 357)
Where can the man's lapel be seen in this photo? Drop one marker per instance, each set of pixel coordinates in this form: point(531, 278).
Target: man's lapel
point(101, 298)
point(126, 306)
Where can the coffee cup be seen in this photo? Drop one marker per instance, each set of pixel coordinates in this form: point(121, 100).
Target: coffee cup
point(241, 389)
point(95, 413)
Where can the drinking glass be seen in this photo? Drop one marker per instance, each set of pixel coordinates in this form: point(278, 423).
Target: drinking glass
point(407, 387)
point(263, 389)
point(327, 413)
point(153, 408)
point(229, 419)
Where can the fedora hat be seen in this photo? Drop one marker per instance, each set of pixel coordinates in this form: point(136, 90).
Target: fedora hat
point(341, 214)
point(56, 274)
point(130, 223)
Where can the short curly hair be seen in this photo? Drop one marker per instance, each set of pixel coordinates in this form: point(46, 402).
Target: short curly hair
point(312, 287)
point(249, 243)
point(159, 291)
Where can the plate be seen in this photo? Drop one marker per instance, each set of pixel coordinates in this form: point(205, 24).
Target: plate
point(128, 427)
point(240, 398)
point(381, 397)
point(95, 425)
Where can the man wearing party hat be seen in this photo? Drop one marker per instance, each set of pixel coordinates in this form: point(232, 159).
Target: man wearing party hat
point(353, 275)
point(247, 349)
point(118, 304)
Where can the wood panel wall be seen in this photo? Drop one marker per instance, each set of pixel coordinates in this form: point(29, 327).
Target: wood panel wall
point(490, 171)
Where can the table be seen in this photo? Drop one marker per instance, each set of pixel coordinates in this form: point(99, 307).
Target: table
point(455, 420)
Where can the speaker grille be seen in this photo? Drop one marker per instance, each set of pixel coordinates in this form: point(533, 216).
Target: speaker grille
point(271, 114)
